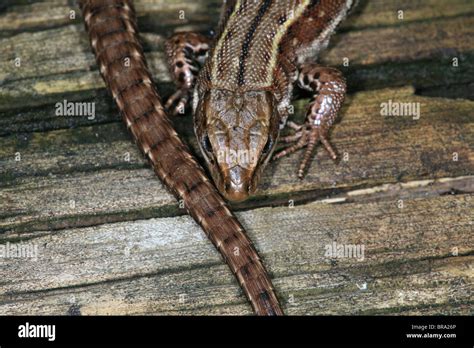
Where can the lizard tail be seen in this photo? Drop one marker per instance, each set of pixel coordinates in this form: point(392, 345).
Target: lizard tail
point(113, 33)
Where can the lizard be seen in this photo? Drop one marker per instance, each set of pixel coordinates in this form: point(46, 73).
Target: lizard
point(241, 92)
point(113, 34)
point(240, 85)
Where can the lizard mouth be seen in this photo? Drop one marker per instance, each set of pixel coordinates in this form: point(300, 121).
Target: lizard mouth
point(237, 184)
point(235, 193)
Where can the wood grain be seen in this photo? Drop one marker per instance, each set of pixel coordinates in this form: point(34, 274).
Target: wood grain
point(61, 56)
point(147, 266)
point(378, 149)
point(112, 241)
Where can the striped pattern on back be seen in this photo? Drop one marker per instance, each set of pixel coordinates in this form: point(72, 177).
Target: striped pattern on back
point(255, 34)
point(247, 44)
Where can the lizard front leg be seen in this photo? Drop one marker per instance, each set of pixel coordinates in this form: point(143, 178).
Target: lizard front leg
point(329, 87)
point(186, 53)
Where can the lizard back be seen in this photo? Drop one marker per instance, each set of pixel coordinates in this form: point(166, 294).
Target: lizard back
point(258, 40)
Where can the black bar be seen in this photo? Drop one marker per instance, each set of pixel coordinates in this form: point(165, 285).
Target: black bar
point(354, 330)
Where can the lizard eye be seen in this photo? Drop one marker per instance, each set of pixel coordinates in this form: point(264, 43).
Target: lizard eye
point(268, 146)
point(206, 144)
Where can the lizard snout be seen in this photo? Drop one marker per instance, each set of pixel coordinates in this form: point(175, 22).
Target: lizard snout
point(237, 184)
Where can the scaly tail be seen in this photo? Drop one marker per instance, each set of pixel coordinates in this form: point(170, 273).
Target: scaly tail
point(113, 33)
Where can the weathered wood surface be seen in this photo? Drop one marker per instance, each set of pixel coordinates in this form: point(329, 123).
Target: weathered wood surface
point(167, 265)
point(111, 240)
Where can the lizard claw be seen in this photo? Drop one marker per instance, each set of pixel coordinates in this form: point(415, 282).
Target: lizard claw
point(305, 136)
point(176, 103)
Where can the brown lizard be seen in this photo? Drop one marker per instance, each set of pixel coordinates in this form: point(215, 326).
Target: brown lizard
point(240, 102)
point(242, 94)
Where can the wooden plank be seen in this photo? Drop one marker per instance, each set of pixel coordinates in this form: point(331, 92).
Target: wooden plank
point(152, 14)
point(167, 266)
point(111, 240)
point(56, 13)
point(378, 150)
point(372, 13)
point(62, 58)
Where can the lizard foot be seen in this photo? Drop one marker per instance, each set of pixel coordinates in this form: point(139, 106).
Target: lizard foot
point(308, 136)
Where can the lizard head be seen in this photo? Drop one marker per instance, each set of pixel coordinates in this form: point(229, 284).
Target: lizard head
point(237, 132)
